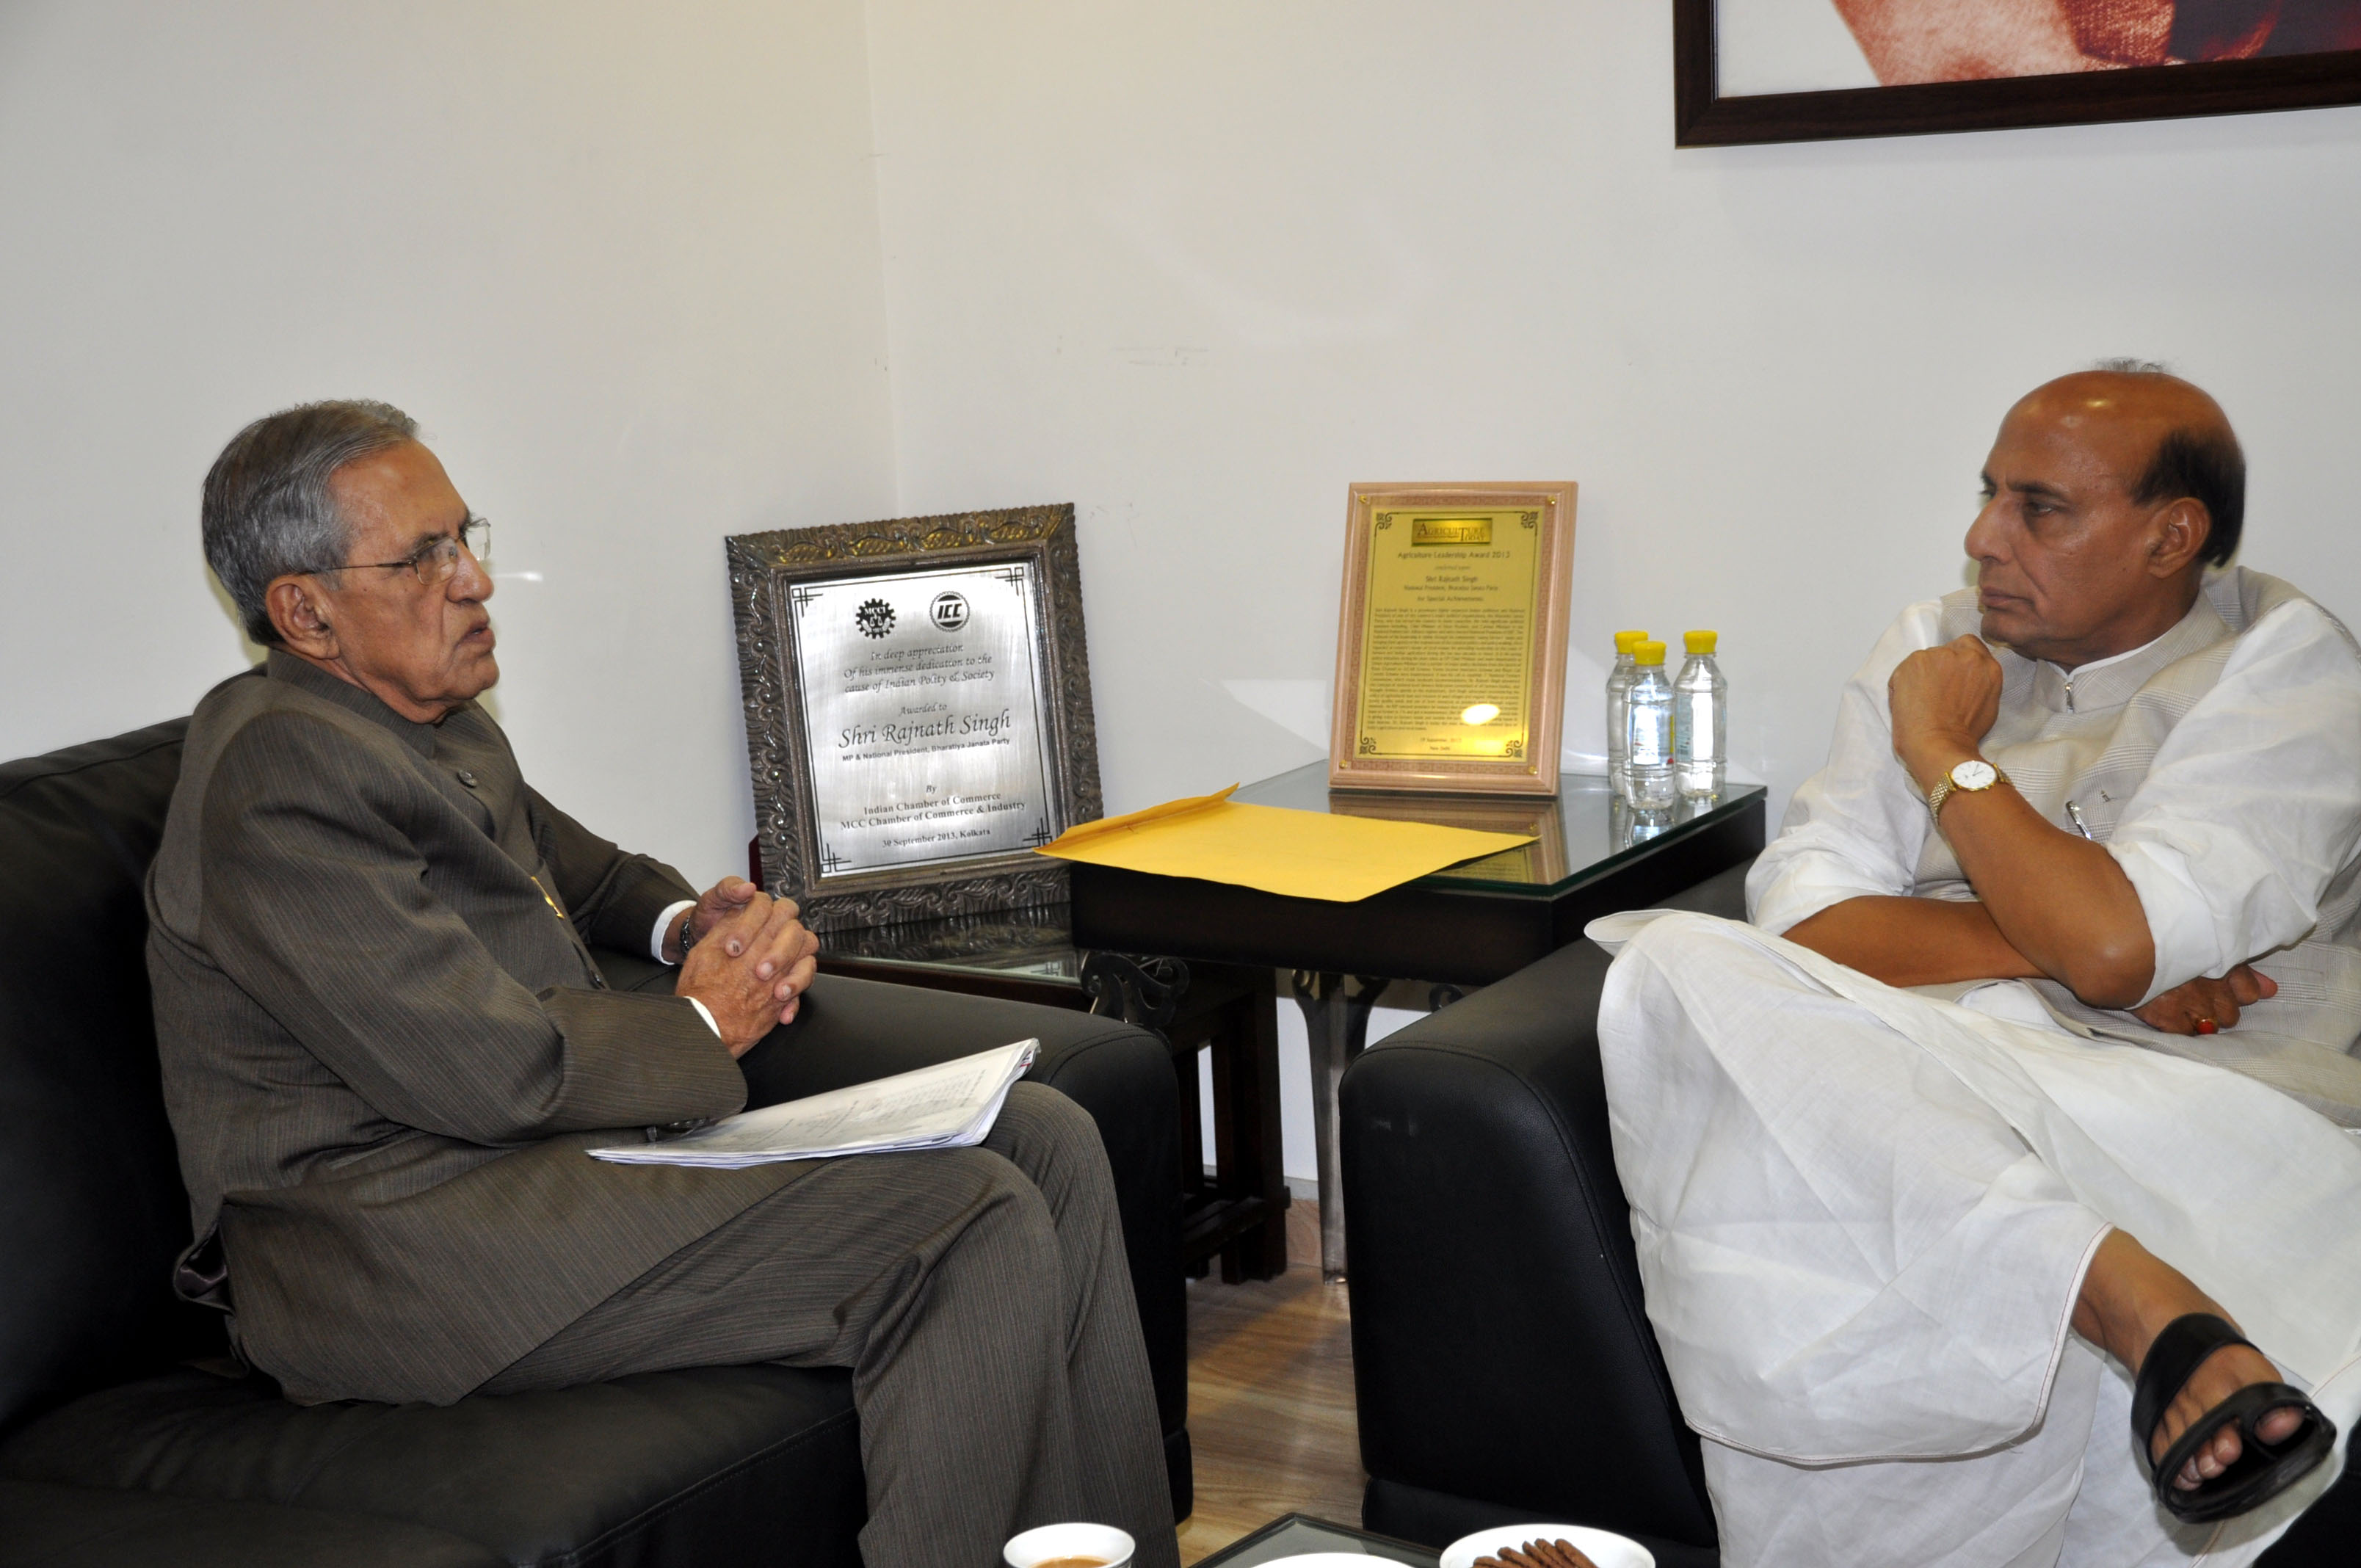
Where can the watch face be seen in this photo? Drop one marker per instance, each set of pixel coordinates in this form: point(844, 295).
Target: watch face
point(1974, 774)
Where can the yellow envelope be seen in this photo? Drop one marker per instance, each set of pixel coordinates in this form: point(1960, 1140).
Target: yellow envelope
point(1302, 854)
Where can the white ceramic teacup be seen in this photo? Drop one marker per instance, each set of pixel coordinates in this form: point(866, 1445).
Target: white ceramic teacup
point(1051, 1542)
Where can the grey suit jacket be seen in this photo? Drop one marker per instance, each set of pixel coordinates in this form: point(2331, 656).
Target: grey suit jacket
point(385, 1044)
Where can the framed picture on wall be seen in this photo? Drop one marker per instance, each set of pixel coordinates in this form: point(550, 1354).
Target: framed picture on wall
point(917, 697)
point(1451, 642)
point(1770, 70)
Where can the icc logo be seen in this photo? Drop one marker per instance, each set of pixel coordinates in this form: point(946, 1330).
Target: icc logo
point(948, 611)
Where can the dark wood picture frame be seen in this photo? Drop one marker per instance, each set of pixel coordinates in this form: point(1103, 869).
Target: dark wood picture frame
point(1703, 119)
point(764, 567)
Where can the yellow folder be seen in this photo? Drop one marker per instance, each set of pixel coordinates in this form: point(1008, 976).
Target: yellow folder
point(1302, 854)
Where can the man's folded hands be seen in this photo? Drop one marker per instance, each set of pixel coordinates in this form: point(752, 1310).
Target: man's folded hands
point(752, 961)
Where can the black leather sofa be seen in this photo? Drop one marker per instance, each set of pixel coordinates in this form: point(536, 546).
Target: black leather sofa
point(1501, 1352)
point(127, 1436)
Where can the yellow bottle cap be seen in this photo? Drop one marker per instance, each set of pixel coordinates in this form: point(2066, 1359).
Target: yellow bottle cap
point(1649, 652)
point(1701, 641)
point(1627, 641)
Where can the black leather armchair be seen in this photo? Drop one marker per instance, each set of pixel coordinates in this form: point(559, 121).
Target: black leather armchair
point(1501, 1350)
point(126, 1436)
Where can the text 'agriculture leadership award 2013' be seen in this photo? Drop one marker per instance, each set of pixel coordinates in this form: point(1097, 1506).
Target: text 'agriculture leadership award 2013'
point(922, 717)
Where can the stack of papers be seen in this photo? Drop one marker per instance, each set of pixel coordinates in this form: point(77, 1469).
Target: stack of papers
point(950, 1105)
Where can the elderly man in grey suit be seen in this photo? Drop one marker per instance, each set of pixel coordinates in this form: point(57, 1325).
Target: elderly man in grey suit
point(386, 1046)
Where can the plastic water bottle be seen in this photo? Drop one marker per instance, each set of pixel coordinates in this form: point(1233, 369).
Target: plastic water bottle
point(1649, 726)
point(1701, 720)
point(1619, 694)
point(1627, 826)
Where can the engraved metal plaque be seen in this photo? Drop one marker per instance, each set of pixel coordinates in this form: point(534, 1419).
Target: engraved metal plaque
point(918, 711)
point(922, 716)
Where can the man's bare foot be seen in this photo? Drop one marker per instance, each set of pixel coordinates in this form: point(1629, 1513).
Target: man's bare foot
point(2128, 1296)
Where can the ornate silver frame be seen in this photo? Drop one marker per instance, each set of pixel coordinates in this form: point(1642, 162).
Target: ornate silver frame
point(764, 567)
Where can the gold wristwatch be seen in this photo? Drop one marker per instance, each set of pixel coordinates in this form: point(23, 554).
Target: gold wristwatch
point(1971, 775)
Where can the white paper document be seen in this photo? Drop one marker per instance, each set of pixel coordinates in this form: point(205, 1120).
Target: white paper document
point(950, 1105)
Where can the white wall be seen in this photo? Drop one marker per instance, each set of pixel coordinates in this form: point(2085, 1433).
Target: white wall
point(1198, 267)
point(622, 260)
point(1194, 267)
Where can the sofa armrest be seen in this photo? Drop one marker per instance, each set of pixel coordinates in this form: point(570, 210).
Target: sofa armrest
point(1501, 1348)
point(850, 1031)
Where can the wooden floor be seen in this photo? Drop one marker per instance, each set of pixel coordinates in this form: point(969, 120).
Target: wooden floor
point(1271, 1402)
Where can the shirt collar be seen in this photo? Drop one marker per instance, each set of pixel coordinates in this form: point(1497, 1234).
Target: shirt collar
point(2114, 680)
point(281, 665)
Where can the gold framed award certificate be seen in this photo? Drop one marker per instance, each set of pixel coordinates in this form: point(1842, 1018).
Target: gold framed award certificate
point(1451, 643)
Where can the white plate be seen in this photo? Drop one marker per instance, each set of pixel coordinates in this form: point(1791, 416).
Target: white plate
point(1327, 1560)
point(1607, 1550)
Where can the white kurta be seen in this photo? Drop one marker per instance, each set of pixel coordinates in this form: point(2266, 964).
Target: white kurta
point(1862, 1215)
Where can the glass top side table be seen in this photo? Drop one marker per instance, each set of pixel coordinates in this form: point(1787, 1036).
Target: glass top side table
point(1584, 834)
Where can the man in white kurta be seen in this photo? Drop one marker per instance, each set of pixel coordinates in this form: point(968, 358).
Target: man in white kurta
point(1867, 1214)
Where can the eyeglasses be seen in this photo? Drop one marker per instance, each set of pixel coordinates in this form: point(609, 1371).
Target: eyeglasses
point(433, 563)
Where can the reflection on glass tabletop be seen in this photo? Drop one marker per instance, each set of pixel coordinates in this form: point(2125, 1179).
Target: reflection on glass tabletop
point(1294, 1535)
point(1032, 943)
point(1585, 832)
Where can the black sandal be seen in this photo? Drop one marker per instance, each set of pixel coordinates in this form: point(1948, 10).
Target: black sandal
point(2263, 1470)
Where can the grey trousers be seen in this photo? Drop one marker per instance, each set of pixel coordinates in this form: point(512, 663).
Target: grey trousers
point(982, 1300)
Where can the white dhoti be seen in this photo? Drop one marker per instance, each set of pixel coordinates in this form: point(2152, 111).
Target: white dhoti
point(1862, 1217)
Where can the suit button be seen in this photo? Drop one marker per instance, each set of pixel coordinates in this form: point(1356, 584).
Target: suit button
point(466, 778)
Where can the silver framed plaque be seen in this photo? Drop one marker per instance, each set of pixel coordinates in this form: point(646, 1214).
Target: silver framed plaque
point(918, 711)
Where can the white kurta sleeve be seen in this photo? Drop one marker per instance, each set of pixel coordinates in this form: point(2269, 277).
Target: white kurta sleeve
point(2254, 802)
point(1855, 828)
